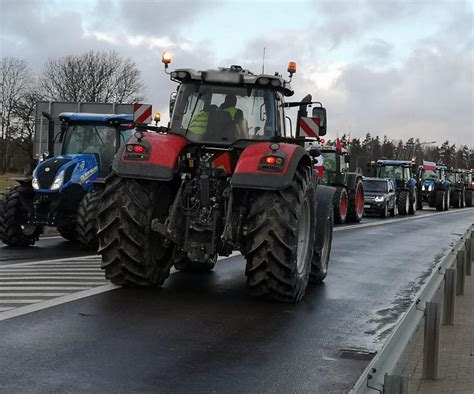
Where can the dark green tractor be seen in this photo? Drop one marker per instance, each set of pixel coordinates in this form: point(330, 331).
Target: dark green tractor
point(349, 196)
point(457, 188)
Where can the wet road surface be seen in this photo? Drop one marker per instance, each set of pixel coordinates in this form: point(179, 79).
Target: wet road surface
point(202, 333)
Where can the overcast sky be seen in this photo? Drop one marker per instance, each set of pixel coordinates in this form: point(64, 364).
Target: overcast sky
point(398, 67)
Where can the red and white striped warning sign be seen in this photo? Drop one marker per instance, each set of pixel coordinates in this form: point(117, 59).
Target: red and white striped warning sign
point(142, 113)
point(309, 127)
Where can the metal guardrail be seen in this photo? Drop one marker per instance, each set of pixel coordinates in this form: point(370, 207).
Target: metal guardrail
point(383, 364)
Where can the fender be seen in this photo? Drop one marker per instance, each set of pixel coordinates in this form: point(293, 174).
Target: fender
point(352, 178)
point(159, 163)
point(411, 183)
point(248, 173)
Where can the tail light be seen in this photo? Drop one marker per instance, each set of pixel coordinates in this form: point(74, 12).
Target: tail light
point(273, 162)
point(136, 152)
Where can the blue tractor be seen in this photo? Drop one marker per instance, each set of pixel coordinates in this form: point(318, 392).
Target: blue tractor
point(63, 191)
point(433, 187)
point(401, 172)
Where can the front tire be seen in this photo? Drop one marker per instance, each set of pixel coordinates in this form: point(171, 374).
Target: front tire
point(469, 195)
point(12, 215)
point(403, 202)
point(413, 201)
point(322, 250)
point(133, 254)
point(440, 200)
point(384, 212)
point(279, 241)
point(86, 227)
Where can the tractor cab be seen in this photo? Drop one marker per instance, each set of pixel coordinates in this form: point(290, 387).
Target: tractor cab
point(335, 164)
point(223, 106)
point(399, 171)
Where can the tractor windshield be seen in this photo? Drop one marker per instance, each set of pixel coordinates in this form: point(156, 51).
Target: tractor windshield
point(392, 171)
point(329, 161)
point(224, 114)
point(430, 174)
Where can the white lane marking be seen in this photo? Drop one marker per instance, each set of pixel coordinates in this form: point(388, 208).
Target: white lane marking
point(36, 287)
point(53, 237)
point(39, 268)
point(4, 295)
point(52, 283)
point(78, 259)
point(395, 220)
point(20, 301)
point(233, 254)
point(10, 277)
point(55, 301)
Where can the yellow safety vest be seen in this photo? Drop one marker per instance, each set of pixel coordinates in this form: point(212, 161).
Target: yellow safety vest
point(199, 123)
point(232, 111)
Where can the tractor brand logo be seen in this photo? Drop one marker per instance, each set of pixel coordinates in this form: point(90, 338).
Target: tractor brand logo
point(47, 169)
point(88, 174)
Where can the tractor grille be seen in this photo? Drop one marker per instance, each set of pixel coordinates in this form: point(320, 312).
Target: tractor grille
point(47, 172)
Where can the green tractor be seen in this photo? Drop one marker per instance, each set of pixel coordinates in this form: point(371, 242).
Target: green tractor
point(458, 188)
point(469, 184)
point(348, 199)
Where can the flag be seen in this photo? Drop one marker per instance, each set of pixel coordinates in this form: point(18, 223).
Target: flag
point(429, 165)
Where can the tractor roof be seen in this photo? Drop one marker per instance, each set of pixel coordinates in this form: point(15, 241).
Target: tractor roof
point(441, 167)
point(401, 163)
point(82, 117)
point(234, 76)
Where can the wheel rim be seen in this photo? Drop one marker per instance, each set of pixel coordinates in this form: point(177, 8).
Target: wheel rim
point(28, 229)
point(303, 237)
point(343, 206)
point(359, 201)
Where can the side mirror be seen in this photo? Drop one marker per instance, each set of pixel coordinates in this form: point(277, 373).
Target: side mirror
point(172, 102)
point(320, 113)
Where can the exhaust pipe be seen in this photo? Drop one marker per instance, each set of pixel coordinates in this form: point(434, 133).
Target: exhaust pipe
point(50, 133)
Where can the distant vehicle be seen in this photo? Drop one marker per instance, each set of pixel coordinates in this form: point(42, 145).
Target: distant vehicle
point(457, 188)
point(62, 191)
point(349, 196)
point(469, 183)
point(380, 197)
point(402, 174)
point(433, 186)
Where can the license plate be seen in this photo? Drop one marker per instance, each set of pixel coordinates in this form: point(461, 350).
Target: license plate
point(366, 206)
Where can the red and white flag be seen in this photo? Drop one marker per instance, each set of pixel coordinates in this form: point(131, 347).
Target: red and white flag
point(142, 113)
point(319, 166)
point(309, 127)
point(429, 166)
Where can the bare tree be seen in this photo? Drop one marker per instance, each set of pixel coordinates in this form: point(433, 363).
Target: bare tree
point(15, 80)
point(92, 77)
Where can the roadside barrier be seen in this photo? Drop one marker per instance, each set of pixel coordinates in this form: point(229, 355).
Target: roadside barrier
point(436, 303)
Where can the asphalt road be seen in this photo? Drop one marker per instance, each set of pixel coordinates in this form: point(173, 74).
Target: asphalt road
point(202, 333)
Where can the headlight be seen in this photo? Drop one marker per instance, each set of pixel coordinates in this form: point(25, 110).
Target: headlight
point(35, 183)
point(58, 181)
point(379, 199)
point(430, 188)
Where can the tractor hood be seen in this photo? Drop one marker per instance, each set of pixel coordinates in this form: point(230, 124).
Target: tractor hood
point(57, 173)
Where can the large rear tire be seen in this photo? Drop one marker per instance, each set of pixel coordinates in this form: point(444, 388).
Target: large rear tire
point(403, 202)
point(86, 226)
point(133, 254)
point(448, 200)
point(68, 232)
point(340, 204)
point(469, 197)
point(356, 203)
point(13, 229)
point(413, 201)
point(279, 242)
point(456, 200)
point(440, 200)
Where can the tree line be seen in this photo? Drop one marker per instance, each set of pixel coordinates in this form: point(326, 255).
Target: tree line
point(370, 148)
point(93, 77)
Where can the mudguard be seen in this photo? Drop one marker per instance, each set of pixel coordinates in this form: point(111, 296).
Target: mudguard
point(249, 174)
point(352, 179)
point(159, 163)
point(324, 210)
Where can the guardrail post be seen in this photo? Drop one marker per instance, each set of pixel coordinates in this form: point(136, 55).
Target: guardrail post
point(449, 295)
point(469, 252)
point(395, 384)
point(431, 340)
point(461, 268)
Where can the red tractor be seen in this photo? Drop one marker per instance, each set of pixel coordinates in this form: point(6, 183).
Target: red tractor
point(225, 175)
